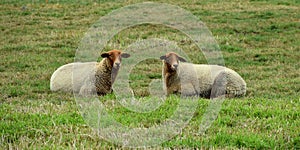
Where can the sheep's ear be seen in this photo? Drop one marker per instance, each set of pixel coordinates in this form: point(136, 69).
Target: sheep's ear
point(163, 57)
point(125, 55)
point(103, 55)
point(181, 59)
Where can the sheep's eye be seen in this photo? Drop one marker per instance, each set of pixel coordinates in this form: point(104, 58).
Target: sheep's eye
point(167, 60)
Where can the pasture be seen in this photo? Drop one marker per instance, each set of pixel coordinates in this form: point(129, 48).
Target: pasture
point(258, 38)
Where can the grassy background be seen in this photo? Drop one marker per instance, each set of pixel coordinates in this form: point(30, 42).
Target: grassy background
point(259, 39)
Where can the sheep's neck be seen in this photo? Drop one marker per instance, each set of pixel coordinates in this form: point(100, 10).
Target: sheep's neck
point(105, 76)
point(113, 72)
point(170, 75)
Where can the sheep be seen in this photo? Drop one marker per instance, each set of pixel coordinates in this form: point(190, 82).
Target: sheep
point(90, 77)
point(208, 81)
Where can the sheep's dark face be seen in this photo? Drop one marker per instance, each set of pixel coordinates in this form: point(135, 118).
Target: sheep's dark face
point(172, 60)
point(115, 57)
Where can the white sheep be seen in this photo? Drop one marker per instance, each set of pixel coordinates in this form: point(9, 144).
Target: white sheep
point(90, 77)
point(209, 81)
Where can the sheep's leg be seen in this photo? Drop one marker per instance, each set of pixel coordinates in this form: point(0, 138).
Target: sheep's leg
point(228, 84)
point(188, 89)
point(173, 90)
point(236, 86)
point(219, 86)
point(88, 88)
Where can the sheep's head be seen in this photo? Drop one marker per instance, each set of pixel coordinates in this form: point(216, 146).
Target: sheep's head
point(115, 57)
point(172, 60)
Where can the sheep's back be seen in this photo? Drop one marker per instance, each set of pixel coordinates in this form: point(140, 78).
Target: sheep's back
point(200, 75)
point(71, 76)
point(202, 72)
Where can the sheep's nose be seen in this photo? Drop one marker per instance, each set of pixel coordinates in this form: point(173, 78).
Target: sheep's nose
point(175, 66)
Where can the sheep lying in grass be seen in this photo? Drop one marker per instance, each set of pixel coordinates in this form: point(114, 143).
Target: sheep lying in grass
point(209, 81)
point(90, 77)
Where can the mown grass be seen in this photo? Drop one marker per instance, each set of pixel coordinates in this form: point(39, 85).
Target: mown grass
point(258, 39)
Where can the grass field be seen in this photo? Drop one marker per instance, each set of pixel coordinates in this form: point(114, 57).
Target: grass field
point(258, 38)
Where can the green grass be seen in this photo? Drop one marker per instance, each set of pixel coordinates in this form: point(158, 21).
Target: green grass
point(259, 39)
